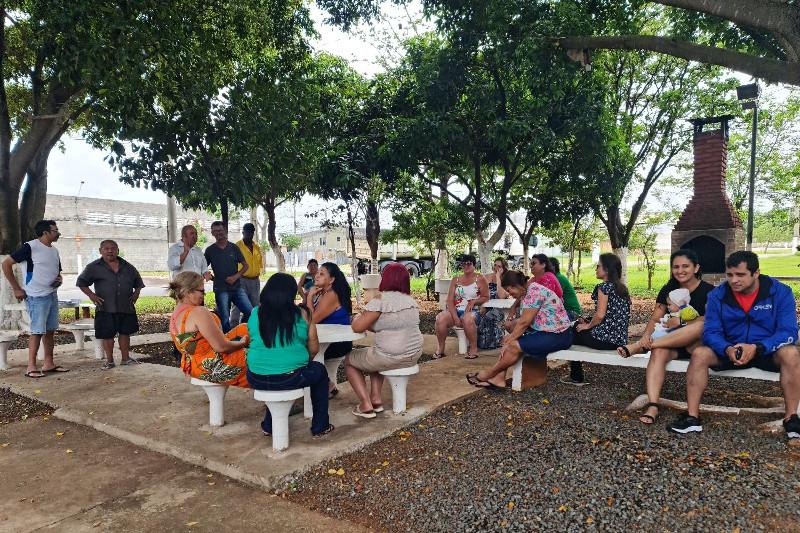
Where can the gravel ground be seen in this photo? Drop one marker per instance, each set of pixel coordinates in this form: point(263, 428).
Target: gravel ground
point(563, 458)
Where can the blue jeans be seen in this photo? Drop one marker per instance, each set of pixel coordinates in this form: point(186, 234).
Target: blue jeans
point(239, 298)
point(313, 376)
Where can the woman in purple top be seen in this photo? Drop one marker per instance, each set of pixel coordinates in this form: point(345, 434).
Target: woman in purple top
point(542, 329)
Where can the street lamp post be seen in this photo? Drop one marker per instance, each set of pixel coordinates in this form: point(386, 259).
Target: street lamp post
point(750, 93)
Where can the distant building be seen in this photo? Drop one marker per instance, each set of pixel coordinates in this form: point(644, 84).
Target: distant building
point(139, 228)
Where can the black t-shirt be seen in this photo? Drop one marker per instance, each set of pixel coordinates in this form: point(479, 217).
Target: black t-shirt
point(699, 296)
point(224, 262)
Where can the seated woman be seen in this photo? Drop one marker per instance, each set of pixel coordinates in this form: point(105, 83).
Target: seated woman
point(394, 317)
point(206, 353)
point(490, 330)
point(542, 329)
point(679, 344)
point(571, 303)
point(329, 301)
point(608, 327)
point(281, 355)
point(542, 272)
point(306, 281)
point(466, 291)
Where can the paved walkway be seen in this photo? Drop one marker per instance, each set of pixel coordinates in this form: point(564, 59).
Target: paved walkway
point(127, 413)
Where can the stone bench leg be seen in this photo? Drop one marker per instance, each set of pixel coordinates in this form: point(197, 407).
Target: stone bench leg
point(279, 404)
point(99, 353)
point(80, 337)
point(398, 380)
point(216, 401)
point(528, 373)
point(463, 347)
point(4, 344)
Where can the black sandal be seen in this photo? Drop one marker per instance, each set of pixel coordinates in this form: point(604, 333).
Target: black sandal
point(651, 418)
point(624, 349)
point(330, 428)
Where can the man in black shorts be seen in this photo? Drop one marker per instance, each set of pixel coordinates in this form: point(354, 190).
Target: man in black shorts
point(751, 321)
point(117, 285)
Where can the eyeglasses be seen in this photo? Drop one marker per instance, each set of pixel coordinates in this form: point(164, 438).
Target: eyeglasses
point(466, 262)
point(201, 291)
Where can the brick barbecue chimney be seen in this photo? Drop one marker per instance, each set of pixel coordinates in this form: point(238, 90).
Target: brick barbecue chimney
point(709, 225)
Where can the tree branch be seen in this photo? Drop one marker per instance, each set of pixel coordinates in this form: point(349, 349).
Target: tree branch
point(768, 69)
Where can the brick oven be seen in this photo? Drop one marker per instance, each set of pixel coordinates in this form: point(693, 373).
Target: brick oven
point(709, 225)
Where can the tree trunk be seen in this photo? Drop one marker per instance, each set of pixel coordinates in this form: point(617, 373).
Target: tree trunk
point(11, 320)
point(373, 230)
point(351, 235)
point(525, 255)
point(622, 253)
point(269, 210)
point(442, 255)
point(34, 196)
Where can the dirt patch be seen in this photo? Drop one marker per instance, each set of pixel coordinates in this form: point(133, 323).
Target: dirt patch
point(14, 407)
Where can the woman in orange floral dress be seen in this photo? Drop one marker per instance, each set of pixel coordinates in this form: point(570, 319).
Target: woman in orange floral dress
point(206, 353)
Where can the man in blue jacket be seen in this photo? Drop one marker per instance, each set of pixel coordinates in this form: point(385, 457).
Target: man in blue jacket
point(751, 321)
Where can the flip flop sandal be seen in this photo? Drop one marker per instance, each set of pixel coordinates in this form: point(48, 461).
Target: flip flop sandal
point(107, 366)
point(377, 408)
point(358, 412)
point(266, 434)
point(437, 355)
point(31, 373)
point(473, 379)
point(471, 356)
point(651, 418)
point(332, 393)
point(130, 362)
point(624, 349)
point(491, 386)
point(57, 368)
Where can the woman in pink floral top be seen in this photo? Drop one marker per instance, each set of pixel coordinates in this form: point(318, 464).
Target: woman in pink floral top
point(542, 329)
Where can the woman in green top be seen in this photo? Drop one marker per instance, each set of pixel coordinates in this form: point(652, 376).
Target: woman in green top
point(571, 303)
point(283, 342)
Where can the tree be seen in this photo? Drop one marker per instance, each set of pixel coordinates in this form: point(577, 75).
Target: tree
point(71, 63)
point(291, 242)
point(651, 95)
point(480, 108)
point(643, 240)
point(756, 37)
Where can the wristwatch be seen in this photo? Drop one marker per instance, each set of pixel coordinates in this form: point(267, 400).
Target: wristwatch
point(683, 322)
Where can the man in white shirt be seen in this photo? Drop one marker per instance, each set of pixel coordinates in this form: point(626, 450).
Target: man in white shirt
point(184, 255)
point(42, 275)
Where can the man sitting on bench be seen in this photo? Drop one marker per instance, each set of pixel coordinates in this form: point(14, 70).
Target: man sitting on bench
point(750, 322)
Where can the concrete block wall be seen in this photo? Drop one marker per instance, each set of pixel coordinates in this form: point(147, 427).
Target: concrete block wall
point(140, 229)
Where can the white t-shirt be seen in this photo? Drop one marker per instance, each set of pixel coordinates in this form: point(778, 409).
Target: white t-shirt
point(40, 264)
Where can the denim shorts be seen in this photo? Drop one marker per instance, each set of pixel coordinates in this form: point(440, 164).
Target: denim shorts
point(43, 311)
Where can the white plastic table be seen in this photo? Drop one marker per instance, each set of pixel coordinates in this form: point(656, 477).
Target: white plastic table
point(328, 334)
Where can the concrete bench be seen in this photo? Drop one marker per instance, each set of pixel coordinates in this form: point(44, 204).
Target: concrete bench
point(216, 400)
point(529, 371)
point(5, 341)
point(279, 403)
point(398, 380)
point(80, 329)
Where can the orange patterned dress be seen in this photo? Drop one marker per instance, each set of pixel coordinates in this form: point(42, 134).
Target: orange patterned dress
point(200, 361)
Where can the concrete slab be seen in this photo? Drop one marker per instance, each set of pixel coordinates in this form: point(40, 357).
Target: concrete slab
point(156, 408)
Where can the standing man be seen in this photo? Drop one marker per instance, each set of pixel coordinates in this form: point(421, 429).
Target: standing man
point(251, 283)
point(225, 258)
point(185, 255)
point(751, 321)
point(42, 273)
point(117, 285)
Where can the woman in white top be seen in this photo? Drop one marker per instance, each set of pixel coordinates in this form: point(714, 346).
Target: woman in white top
point(394, 317)
point(466, 291)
